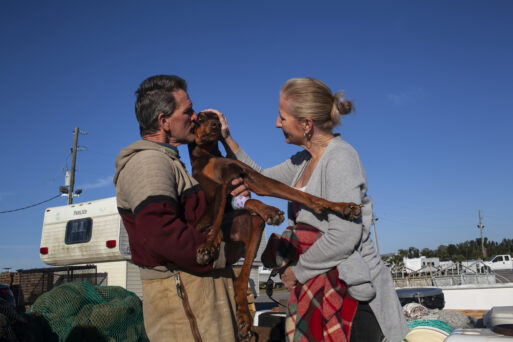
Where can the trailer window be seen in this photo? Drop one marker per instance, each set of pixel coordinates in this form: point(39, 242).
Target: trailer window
point(78, 231)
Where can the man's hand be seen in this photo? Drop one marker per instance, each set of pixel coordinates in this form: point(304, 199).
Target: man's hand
point(241, 189)
point(288, 278)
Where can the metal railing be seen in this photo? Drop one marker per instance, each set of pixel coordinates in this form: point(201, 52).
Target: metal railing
point(473, 272)
point(34, 282)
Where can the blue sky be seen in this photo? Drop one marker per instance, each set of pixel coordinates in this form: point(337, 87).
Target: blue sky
point(432, 82)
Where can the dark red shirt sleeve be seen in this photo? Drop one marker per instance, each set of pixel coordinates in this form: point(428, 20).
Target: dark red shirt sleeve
point(166, 236)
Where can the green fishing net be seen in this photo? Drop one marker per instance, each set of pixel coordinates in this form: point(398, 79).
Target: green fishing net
point(79, 311)
point(433, 323)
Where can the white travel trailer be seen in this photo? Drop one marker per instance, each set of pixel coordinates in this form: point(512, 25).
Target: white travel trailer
point(90, 233)
point(93, 233)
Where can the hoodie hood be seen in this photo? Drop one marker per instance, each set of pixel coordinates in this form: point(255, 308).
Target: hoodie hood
point(141, 145)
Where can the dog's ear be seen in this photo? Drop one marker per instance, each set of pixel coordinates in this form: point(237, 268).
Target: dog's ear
point(209, 115)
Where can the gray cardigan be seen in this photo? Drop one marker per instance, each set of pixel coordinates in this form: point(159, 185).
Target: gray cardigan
point(339, 177)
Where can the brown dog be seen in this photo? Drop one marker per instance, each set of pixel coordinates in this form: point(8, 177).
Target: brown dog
point(215, 174)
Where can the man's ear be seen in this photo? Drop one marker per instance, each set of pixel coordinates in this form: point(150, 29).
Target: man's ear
point(162, 120)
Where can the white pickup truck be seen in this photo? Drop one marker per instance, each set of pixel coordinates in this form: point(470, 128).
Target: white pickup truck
point(500, 262)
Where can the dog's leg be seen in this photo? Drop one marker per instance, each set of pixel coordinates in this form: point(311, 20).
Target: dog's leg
point(269, 214)
point(265, 186)
point(209, 250)
point(244, 319)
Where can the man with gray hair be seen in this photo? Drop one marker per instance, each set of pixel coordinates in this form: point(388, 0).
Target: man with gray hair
point(159, 203)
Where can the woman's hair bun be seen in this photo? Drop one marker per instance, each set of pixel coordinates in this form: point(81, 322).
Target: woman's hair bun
point(344, 107)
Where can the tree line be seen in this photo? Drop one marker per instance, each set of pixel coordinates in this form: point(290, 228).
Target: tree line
point(456, 252)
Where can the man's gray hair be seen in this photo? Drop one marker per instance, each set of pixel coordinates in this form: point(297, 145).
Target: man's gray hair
point(155, 96)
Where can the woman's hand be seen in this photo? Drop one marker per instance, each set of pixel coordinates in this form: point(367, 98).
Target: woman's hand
point(230, 145)
point(225, 129)
point(288, 278)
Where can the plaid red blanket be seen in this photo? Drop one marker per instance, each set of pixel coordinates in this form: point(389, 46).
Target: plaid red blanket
point(320, 309)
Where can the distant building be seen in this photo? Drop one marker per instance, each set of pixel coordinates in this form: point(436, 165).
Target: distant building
point(421, 264)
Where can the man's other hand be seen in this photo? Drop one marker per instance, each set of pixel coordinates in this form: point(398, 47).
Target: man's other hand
point(240, 188)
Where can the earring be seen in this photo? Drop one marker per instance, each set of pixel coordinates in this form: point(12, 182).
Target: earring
point(308, 137)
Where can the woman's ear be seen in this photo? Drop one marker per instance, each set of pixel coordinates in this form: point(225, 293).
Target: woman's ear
point(308, 125)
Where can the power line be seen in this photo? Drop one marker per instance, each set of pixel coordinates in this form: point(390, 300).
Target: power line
point(30, 206)
point(109, 155)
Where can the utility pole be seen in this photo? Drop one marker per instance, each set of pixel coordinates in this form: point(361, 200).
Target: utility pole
point(73, 163)
point(481, 226)
point(375, 235)
point(68, 189)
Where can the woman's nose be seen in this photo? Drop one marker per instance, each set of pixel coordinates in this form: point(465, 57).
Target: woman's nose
point(278, 122)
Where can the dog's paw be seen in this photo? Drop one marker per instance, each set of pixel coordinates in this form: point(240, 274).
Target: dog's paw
point(349, 211)
point(206, 254)
point(272, 215)
point(244, 325)
point(352, 211)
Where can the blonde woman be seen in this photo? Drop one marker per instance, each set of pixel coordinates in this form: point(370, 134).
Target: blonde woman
point(353, 293)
